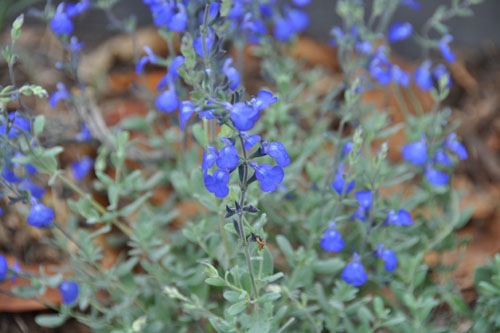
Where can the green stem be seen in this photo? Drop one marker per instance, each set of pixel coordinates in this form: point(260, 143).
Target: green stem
point(401, 101)
point(225, 241)
point(244, 184)
point(75, 188)
point(417, 104)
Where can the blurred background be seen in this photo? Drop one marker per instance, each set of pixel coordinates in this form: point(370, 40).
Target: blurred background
point(480, 31)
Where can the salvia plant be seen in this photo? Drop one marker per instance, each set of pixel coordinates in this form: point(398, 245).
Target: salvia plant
point(310, 214)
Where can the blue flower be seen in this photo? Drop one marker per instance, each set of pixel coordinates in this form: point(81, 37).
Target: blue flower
point(69, 291)
point(84, 135)
point(162, 12)
point(237, 11)
point(9, 175)
point(359, 214)
point(18, 124)
point(380, 67)
point(165, 81)
point(30, 169)
point(250, 140)
point(170, 14)
point(400, 76)
point(228, 158)
point(40, 215)
point(35, 190)
point(74, 45)
point(263, 100)
point(207, 114)
point(332, 240)
point(253, 27)
point(444, 47)
point(167, 101)
point(213, 10)
point(60, 94)
point(185, 112)
point(440, 72)
point(243, 116)
point(364, 198)
point(338, 35)
point(354, 273)
point(399, 31)
point(423, 76)
point(455, 146)
point(436, 177)
point(277, 151)
point(404, 218)
point(231, 73)
point(415, 152)
point(411, 3)
point(442, 157)
point(217, 183)
point(346, 149)
point(173, 68)
point(74, 9)
point(294, 22)
point(209, 158)
point(16, 270)
point(268, 176)
point(401, 218)
point(178, 21)
point(150, 57)
point(364, 47)
point(4, 267)
point(301, 3)
point(298, 19)
point(267, 8)
point(82, 167)
point(339, 184)
point(61, 23)
point(388, 256)
point(209, 42)
point(392, 218)
point(283, 31)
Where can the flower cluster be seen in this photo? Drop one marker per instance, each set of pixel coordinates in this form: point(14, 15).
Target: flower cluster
point(219, 162)
point(425, 76)
point(417, 153)
point(168, 14)
point(61, 94)
point(167, 100)
point(249, 19)
point(243, 116)
point(15, 175)
point(61, 23)
point(354, 272)
point(379, 65)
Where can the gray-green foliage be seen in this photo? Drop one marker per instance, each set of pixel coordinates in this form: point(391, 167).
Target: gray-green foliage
point(487, 283)
point(195, 275)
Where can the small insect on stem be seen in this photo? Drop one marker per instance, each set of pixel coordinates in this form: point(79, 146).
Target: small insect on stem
point(256, 238)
